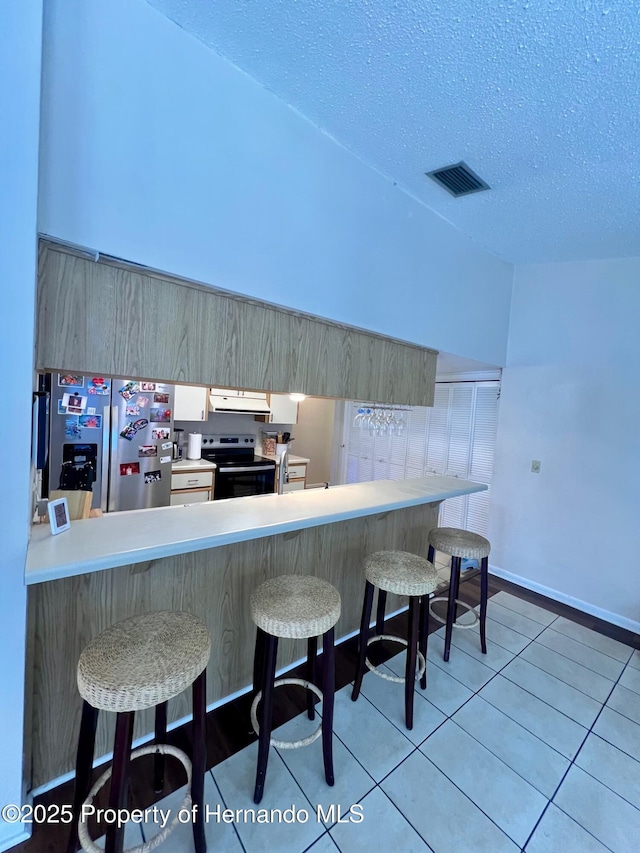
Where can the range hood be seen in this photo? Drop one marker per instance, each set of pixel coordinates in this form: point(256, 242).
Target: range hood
point(239, 402)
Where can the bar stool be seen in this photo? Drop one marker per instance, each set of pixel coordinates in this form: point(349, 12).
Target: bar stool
point(404, 574)
point(461, 544)
point(297, 607)
point(140, 663)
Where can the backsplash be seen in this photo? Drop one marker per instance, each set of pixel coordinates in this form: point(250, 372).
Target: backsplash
point(223, 424)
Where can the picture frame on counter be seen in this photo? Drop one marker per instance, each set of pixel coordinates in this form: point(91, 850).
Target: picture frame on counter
point(58, 515)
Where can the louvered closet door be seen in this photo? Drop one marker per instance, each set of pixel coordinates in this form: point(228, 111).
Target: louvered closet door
point(416, 430)
point(454, 511)
point(482, 451)
point(436, 437)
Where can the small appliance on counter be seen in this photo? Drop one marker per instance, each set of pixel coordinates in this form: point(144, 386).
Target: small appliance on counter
point(240, 472)
point(178, 443)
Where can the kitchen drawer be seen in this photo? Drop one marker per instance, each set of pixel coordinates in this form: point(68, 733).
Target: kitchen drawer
point(184, 496)
point(192, 480)
point(297, 472)
point(294, 486)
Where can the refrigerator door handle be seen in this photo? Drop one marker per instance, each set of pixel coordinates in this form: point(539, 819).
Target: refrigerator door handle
point(104, 479)
point(113, 457)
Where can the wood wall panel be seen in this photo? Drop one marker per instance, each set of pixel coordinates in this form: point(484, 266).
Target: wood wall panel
point(216, 585)
point(118, 320)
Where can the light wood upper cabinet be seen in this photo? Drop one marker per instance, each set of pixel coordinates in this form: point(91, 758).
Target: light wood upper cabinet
point(110, 318)
point(191, 403)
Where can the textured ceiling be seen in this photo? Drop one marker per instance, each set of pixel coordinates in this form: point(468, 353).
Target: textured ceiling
point(539, 97)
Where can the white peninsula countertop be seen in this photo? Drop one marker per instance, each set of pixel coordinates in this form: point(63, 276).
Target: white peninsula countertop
point(123, 538)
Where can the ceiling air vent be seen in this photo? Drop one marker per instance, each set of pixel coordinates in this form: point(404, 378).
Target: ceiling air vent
point(458, 179)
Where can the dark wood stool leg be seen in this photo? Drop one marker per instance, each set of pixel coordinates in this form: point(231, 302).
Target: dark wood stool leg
point(328, 690)
point(382, 604)
point(458, 573)
point(484, 592)
point(424, 636)
point(199, 759)
point(84, 766)
point(312, 651)
point(452, 607)
point(120, 778)
point(161, 737)
point(258, 661)
point(364, 636)
point(410, 670)
point(266, 718)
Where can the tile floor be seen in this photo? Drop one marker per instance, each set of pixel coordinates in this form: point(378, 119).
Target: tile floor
point(534, 747)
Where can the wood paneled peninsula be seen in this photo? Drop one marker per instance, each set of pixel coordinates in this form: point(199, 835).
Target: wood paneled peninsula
point(205, 558)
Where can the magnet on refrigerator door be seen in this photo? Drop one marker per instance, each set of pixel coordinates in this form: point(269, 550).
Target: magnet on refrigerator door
point(74, 400)
point(99, 385)
point(129, 390)
point(70, 379)
point(72, 428)
point(90, 421)
point(129, 468)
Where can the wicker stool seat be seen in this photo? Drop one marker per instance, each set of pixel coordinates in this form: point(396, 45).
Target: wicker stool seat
point(140, 663)
point(404, 574)
point(400, 572)
point(143, 661)
point(296, 607)
point(460, 545)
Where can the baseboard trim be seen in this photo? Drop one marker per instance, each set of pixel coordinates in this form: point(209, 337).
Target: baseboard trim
point(17, 837)
point(563, 598)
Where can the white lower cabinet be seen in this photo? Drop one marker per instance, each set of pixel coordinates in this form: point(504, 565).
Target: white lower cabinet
point(184, 496)
point(190, 487)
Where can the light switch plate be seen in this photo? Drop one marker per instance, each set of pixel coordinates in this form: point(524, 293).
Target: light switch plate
point(535, 466)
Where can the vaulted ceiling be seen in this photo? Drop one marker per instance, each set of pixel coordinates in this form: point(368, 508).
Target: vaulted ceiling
point(539, 97)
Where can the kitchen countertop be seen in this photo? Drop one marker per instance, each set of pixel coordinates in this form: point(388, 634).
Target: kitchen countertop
point(123, 538)
point(192, 465)
point(293, 459)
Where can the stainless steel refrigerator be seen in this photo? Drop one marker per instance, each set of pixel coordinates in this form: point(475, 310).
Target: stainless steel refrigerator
point(113, 435)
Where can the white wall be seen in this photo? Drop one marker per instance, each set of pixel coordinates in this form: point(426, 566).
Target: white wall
point(157, 150)
point(571, 399)
point(20, 39)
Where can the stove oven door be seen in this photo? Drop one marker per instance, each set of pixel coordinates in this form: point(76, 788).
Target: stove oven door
point(240, 481)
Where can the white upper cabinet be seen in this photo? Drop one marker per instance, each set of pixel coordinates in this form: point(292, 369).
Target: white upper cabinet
point(283, 409)
point(191, 403)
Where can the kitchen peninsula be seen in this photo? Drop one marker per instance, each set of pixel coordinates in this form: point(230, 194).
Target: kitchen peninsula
point(206, 559)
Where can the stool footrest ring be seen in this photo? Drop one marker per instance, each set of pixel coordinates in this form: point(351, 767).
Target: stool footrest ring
point(164, 749)
point(287, 744)
point(396, 679)
point(456, 624)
